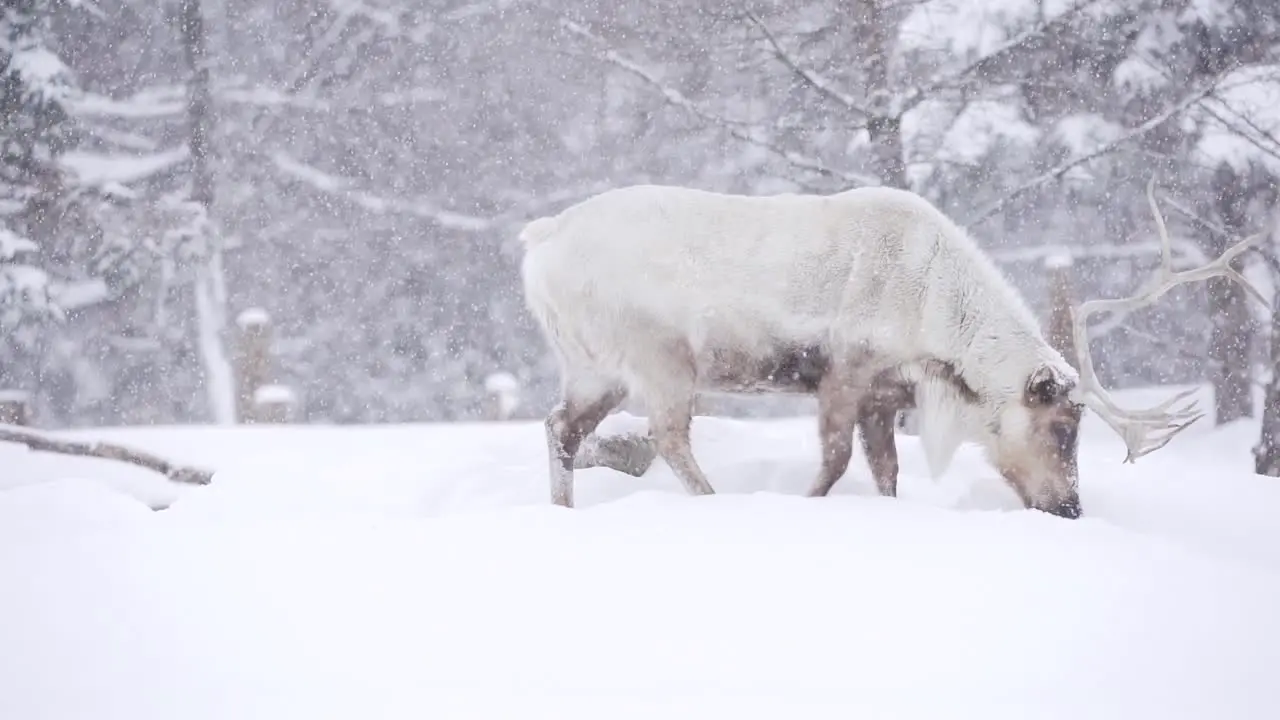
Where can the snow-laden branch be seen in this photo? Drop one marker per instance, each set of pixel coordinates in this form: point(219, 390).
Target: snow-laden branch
point(523, 207)
point(810, 77)
point(95, 169)
point(341, 187)
point(1063, 168)
point(170, 101)
point(737, 129)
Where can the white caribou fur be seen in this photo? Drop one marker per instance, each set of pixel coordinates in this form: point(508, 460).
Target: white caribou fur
point(613, 275)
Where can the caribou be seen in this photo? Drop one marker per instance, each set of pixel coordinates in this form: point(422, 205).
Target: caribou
point(870, 299)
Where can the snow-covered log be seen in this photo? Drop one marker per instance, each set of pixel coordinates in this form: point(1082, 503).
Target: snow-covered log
point(107, 451)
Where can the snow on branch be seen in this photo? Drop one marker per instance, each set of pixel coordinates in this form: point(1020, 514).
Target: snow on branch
point(96, 169)
point(811, 78)
point(736, 128)
point(42, 75)
point(316, 178)
point(170, 101)
point(1063, 168)
point(74, 295)
point(12, 245)
point(24, 293)
point(339, 186)
point(106, 451)
point(154, 103)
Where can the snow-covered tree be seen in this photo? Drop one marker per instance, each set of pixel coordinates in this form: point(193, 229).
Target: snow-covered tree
point(34, 202)
point(34, 130)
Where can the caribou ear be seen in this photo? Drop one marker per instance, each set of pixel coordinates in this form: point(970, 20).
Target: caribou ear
point(1048, 385)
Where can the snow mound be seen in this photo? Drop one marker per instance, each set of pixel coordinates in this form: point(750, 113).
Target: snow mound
point(409, 571)
point(68, 506)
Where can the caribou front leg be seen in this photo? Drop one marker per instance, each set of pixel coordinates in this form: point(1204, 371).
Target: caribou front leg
point(840, 393)
point(875, 427)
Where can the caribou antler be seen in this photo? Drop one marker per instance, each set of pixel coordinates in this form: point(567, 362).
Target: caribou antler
point(1145, 431)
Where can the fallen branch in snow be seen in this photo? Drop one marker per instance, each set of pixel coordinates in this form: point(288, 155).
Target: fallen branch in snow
point(106, 451)
point(630, 453)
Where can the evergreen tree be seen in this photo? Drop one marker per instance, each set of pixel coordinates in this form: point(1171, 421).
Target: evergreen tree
point(34, 129)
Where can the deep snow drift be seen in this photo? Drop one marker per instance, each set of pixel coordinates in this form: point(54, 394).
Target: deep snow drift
point(418, 571)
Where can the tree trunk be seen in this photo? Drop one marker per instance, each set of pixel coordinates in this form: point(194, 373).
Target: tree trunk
point(210, 284)
point(1060, 275)
point(1230, 345)
point(1266, 455)
point(884, 129)
point(1231, 340)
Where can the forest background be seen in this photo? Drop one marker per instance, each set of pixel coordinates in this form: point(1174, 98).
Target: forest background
point(358, 170)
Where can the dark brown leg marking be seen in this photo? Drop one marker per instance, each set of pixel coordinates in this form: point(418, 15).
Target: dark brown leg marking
point(875, 426)
point(837, 417)
point(567, 424)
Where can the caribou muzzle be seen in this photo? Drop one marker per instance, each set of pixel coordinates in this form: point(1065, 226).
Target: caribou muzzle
point(1068, 508)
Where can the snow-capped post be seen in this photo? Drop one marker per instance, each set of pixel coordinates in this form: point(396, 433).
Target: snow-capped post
point(252, 359)
point(502, 395)
point(273, 404)
point(15, 408)
point(1059, 269)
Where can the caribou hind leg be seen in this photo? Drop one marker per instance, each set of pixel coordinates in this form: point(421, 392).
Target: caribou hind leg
point(671, 425)
point(584, 406)
point(669, 387)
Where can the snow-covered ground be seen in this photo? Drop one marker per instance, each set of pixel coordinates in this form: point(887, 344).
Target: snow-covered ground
point(419, 572)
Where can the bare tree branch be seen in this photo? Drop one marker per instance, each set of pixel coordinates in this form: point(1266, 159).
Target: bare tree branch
point(1188, 252)
point(981, 64)
point(106, 451)
point(1265, 252)
point(1196, 219)
point(823, 86)
point(735, 128)
point(1062, 169)
point(1247, 133)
